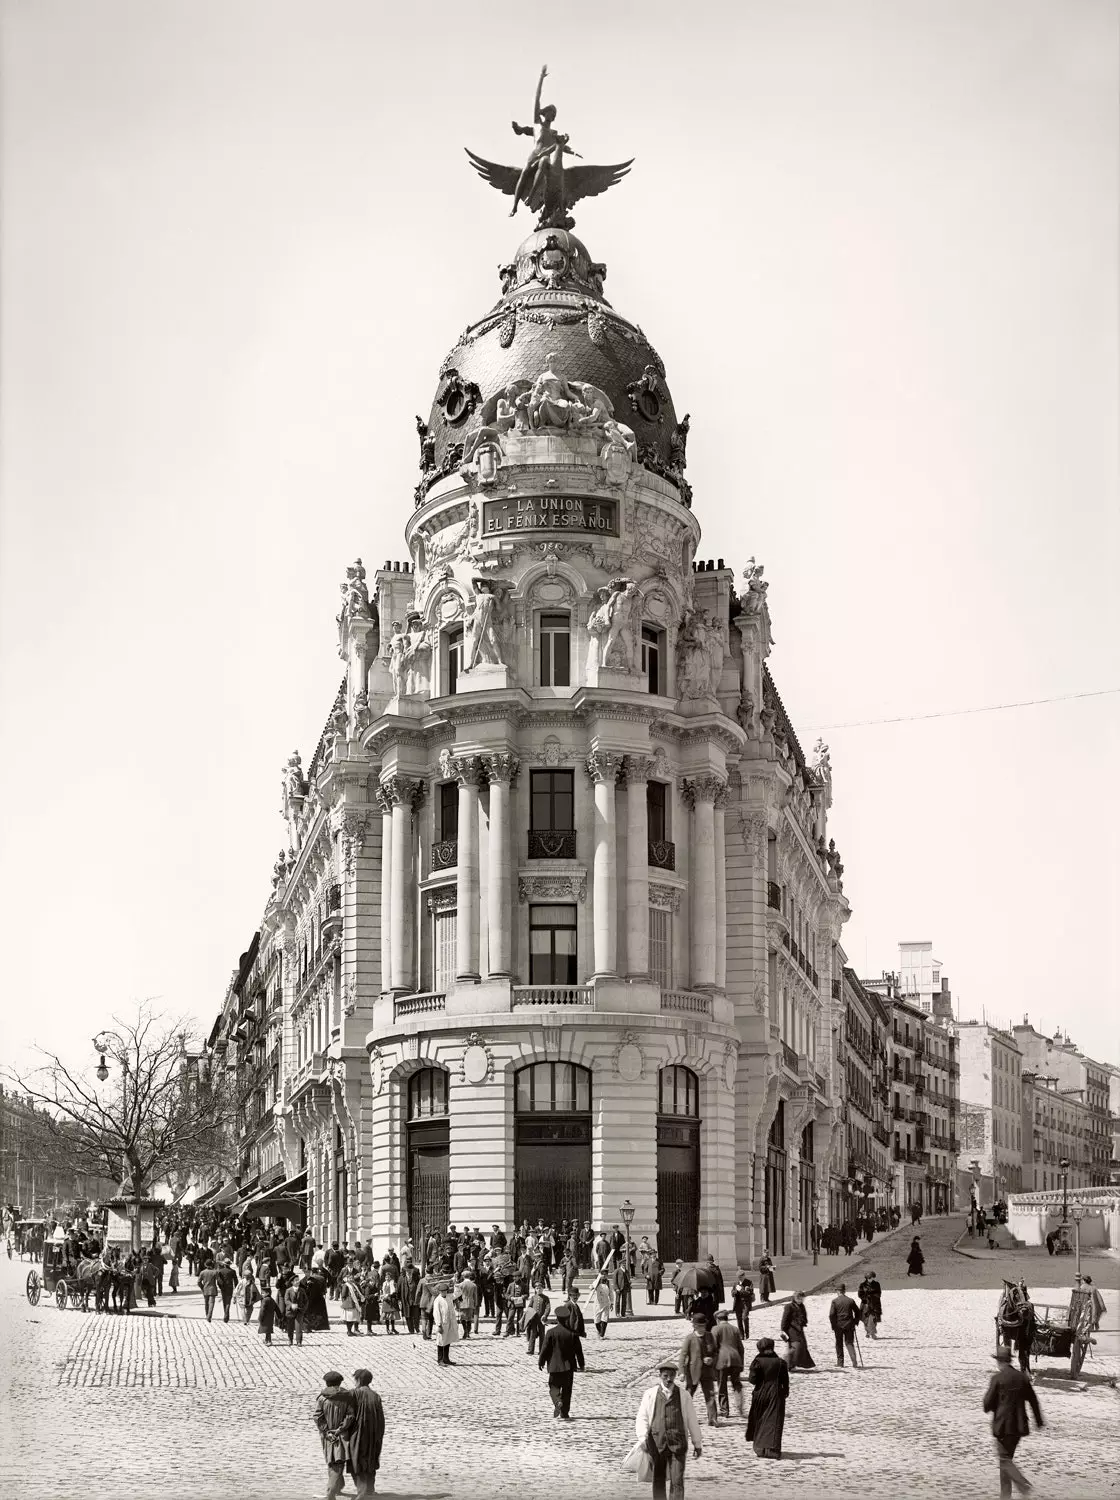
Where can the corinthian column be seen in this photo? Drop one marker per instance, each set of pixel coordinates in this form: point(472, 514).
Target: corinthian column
point(467, 770)
point(403, 791)
point(723, 798)
point(385, 803)
point(702, 793)
point(638, 768)
point(502, 771)
point(603, 768)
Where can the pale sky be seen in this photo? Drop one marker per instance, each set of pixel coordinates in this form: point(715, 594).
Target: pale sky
point(876, 246)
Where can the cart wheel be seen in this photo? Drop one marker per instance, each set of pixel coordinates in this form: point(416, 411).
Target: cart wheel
point(60, 1295)
point(1077, 1356)
point(34, 1288)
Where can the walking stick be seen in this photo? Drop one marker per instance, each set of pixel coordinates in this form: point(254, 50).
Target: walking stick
point(859, 1351)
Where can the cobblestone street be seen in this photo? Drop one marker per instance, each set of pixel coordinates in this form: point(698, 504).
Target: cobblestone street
point(132, 1407)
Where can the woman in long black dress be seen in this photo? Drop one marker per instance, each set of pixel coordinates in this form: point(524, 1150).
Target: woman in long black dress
point(769, 1375)
point(915, 1260)
point(315, 1319)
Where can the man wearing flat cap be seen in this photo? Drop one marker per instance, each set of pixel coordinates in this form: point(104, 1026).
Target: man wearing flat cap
point(334, 1417)
point(1009, 1394)
point(666, 1423)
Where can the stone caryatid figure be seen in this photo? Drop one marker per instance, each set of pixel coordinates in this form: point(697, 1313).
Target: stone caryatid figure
point(544, 184)
point(294, 795)
point(417, 656)
point(398, 652)
point(615, 627)
point(700, 651)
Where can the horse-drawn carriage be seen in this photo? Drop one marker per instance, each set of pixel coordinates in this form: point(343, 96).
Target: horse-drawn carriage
point(1059, 1332)
point(68, 1281)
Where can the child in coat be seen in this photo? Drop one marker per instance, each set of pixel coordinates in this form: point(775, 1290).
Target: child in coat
point(390, 1303)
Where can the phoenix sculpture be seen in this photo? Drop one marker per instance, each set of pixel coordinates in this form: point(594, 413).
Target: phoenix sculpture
point(544, 185)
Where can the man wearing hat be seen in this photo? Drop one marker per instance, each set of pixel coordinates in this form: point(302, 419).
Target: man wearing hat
point(334, 1417)
point(562, 1355)
point(367, 1434)
point(1009, 1394)
point(666, 1423)
point(696, 1364)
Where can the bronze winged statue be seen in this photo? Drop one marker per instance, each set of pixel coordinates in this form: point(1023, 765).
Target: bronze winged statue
point(544, 184)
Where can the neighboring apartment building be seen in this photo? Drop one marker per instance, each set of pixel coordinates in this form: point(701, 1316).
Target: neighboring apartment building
point(1074, 1072)
point(919, 974)
point(35, 1174)
point(1057, 1128)
point(867, 1161)
point(991, 1095)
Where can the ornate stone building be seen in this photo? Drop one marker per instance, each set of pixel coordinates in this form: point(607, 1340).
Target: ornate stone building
point(556, 923)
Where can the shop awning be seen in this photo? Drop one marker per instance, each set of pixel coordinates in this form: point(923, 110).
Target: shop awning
point(287, 1198)
point(218, 1197)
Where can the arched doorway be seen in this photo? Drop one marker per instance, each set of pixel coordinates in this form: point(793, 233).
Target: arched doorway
point(777, 1176)
point(552, 1144)
point(808, 1181)
point(678, 1164)
point(429, 1154)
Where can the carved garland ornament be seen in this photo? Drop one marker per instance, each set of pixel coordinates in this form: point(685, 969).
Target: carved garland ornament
point(571, 887)
point(667, 897)
point(443, 898)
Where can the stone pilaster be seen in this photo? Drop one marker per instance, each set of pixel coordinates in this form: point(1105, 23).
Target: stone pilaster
point(403, 791)
point(702, 792)
point(481, 1137)
point(624, 1145)
point(502, 772)
point(385, 803)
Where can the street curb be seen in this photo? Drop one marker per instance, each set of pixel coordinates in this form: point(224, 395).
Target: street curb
point(860, 1258)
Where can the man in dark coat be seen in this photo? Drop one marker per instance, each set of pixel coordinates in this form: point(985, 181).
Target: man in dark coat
point(226, 1281)
point(696, 1364)
point(334, 1417)
point(729, 1361)
point(769, 1375)
point(562, 1355)
point(871, 1304)
point(794, 1319)
point(1009, 1394)
point(367, 1433)
point(843, 1316)
point(717, 1278)
point(742, 1300)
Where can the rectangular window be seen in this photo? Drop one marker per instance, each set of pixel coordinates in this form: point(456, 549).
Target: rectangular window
point(656, 820)
point(552, 945)
point(556, 650)
point(444, 948)
point(652, 652)
point(449, 810)
point(553, 801)
point(454, 659)
point(661, 946)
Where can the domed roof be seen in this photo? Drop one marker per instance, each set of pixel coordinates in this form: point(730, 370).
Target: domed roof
point(552, 303)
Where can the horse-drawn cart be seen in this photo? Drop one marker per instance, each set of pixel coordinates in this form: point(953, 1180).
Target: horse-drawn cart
point(68, 1283)
point(1058, 1331)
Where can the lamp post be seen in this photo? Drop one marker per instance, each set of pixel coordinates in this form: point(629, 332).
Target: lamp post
point(1064, 1164)
point(627, 1213)
point(1078, 1215)
point(109, 1041)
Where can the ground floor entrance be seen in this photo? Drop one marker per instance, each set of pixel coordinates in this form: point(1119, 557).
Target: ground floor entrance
point(678, 1189)
point(429, 1179)
point(552, 1169)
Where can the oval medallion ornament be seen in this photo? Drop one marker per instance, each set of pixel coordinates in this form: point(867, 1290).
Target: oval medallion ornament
point(729, 1071)
point(377, 1072)
point(476, 1064)
point(629, 1062)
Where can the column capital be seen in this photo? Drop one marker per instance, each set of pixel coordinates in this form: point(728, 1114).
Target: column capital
point(502, 767)
point(403, 791)
point(383, 799)
point(702, 789)
point(639, 768)
point(465, 769)
point(604, 765)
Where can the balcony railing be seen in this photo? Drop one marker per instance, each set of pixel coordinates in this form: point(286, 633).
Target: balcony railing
point(662, 854)
point(687, 1000)
point(445, 854)
point(789, 1057)
point(546, 844)
point(773, 895)
point(552, 994)
point(334, 898)
point(419, 1005)
point(836, 989)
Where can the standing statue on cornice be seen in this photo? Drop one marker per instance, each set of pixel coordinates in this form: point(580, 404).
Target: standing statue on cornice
point(755, 595)
point(544, 184)
point(480, 628)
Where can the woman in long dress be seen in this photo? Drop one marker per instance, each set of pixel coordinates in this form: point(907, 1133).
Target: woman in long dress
point(915, 1260)
point(315, 1319)
point(769, 1375)
point(765, 1276)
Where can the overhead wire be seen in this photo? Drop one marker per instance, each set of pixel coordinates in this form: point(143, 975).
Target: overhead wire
point(957, 713)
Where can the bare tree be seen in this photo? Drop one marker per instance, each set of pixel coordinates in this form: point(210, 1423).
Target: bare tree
point(161, 1113)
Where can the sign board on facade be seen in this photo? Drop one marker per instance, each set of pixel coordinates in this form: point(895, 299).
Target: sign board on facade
point(549, 513)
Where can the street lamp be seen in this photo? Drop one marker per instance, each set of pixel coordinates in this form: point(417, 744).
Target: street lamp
point(109, 1041)
point(627, 1213)
point(1064, 1164)
point(1078, 1215)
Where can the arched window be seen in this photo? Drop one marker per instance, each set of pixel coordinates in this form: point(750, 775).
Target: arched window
point(553, 1089)
point(427, 1094)
point(678, 1092)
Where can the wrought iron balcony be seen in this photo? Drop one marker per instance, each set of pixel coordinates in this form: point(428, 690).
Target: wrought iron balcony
point(773, 895)
point(789, 1057)
point(662, 854)
point(548, 844)
point(445, 854)
point(334, 898)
